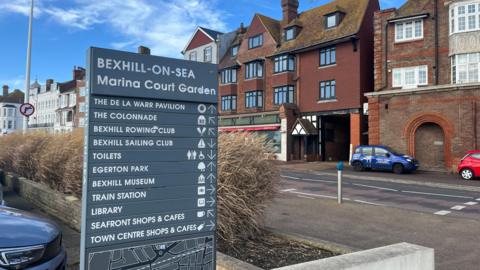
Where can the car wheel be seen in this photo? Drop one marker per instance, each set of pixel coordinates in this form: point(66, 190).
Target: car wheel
point(466, 174)
point(398, 168)
point(358, 166)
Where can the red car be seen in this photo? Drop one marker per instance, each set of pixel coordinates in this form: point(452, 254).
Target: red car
point(469, 167)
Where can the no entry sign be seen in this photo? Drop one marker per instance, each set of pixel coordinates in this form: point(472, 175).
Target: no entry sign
point(150, 172)
point(27, 109)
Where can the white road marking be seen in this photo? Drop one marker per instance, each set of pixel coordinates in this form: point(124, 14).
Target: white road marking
point(365, 202)
point(288, 190)
point(458, 207)
point(471, 203)
point(442, 213)
point(305, 197)
point(290, 177)
point(381, 188)
point(314, 195)
point(478, 199)
point(436, 194)
point(318, 180)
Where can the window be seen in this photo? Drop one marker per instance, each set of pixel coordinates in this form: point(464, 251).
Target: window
point(284, 94)
point(254, 99)
point(83, 92)
point(289, 34)
point(466, 68)
point(256, 41)
point(235, 50)
point(331, 21)
point(410, 77)
point(229, 76)
point(284, 63)
point(10, 124)
point(254, 70)
point(380, 152)
point(229, 103)
point(83, 108)
point(411, 30)
point(73, 100)
point(367, 151)
point(193, 56)
point(328, 56)
point(207, 55)
point(327, 90)
point(464, 17)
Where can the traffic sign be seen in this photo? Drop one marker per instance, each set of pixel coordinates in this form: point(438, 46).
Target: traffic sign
point(27, 109)
point(150, 167)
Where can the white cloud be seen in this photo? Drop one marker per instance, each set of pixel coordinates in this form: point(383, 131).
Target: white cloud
point(17, 82)
point(163, 25)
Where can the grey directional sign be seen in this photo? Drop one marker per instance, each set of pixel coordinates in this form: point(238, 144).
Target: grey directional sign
point(150, 167)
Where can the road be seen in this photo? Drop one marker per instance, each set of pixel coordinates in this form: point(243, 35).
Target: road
point(379, 213)
point(438, 201)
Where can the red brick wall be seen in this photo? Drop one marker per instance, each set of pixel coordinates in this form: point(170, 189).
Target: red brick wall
point(199, 39)
point(412, 53)
point(246, 55)
point(456, 111)
point(346, 73)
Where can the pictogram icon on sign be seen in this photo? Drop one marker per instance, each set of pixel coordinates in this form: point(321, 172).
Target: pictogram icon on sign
point(27, 109)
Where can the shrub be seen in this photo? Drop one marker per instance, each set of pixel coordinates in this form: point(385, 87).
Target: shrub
point(246, 183)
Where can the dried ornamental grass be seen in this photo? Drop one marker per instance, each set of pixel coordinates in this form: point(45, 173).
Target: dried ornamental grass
point(246, 183)
point(246, 177)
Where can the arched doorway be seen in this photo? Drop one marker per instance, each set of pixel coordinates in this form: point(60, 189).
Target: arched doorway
point(430, 146)
point(429, 139)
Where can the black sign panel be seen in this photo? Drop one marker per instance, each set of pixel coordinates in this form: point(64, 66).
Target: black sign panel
point(150, 172)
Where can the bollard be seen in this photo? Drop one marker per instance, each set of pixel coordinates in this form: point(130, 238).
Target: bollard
point(339, 188)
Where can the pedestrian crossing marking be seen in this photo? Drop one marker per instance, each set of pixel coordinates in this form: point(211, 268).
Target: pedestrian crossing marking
point(458, 207)
point(442, 213)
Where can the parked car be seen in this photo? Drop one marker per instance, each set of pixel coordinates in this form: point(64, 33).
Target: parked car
point(469, 167)
point(382, 158)
point(29, 242)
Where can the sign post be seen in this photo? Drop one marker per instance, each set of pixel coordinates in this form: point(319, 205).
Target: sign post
point(150, 172)
point(339, 183)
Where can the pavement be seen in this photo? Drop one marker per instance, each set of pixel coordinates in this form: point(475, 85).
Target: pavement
point(378, 211)
point(71, 238)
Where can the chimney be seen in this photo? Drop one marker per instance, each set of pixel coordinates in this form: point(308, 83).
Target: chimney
point(290, 10)
point(78, 73)
point(49, 84)
point(143, 50)
point(242, 28)
point(5, 90)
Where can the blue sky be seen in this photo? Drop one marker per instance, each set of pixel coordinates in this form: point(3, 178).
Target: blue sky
point(64, 29)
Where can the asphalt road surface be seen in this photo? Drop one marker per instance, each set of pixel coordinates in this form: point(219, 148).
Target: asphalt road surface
point(437, 201)
point(380, 213)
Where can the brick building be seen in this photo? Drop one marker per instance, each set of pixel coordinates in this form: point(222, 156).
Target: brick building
point(301, 80)
point(427, 91)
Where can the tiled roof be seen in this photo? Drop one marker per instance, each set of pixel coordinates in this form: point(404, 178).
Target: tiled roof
point(313, 31)
point(212, 33)
point(272, 26)
point(412, 7)
point(16, 96)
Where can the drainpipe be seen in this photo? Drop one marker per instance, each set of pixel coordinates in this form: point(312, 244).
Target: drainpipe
point(436, 43)
point(475, 137)
point(386, 56)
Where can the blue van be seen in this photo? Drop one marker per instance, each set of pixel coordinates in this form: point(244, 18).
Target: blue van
point(382, 158)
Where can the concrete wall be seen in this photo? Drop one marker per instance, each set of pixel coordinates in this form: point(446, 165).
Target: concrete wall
point(401, 256)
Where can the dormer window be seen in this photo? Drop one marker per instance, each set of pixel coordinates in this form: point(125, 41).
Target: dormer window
point(235, 50)
point(290, 33)
point(331, 21)
point(255, 42)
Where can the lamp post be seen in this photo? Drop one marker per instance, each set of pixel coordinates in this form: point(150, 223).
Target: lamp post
point(27, 75)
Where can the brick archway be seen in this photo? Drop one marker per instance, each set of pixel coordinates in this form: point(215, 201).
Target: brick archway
point(445, 124)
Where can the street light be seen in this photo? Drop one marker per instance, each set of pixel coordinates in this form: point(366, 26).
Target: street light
point(27, 76)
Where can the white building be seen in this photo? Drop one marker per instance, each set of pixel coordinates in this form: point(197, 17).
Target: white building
point(203, 46)
point(67, 102)
point(45, 100)
point(10, 118)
